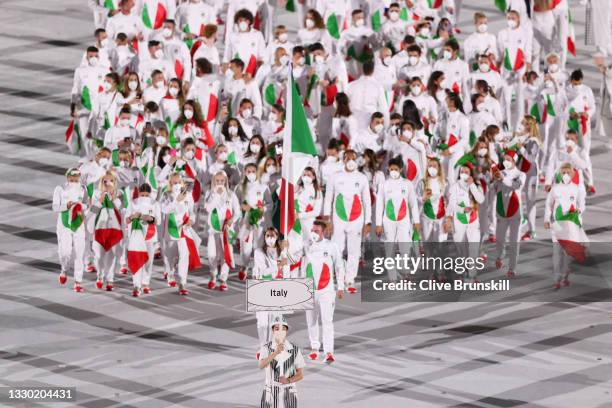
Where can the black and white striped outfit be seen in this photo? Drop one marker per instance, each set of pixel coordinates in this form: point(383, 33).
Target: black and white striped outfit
point(275, 394)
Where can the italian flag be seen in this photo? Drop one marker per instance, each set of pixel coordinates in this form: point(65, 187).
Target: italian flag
point(340, 208)
point(251, 65)
point(188, 42)
point(290, 5)
point(535, 112)
point(519, 60)
point(108, 232)
point(213, 107)
point(501, 5)
point(324, 276)
point(467, 159)
point(298, 150)
point(73, 137)
point(571, 35)
point(137, 255)
point(434, 4)
point(151, 178)
point(179, 69)
point(231, 158)
point(463, 217)
point(568, 232)
point(86, 98)
point(396, 215)
point(110, 5)
point(432, 214)
point(411, 169)
point(332, 26)
point(222, 225)
point(377, 20)
point(172, 139)
point(178, 231)
point(160, 16)
point(72, 218)
point(270, 95)
point(451, 141)
point(197, 187)
point(511, 207)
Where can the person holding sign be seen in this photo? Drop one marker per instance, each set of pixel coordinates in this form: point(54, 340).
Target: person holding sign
point(69, 202)
point(284, 363)
point(322, 258)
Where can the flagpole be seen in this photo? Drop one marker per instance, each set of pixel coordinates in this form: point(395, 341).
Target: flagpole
point(286, 156)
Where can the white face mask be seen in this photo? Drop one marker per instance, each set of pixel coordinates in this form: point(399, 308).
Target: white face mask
point(104, 42)
point(424, 32)
point(464, 176)
point(379, 128)
point(484, 67)
point(232, 130)
point(351, 165)
point(394, 16)
point(144, 200)
point(270, 241)
point(508, 164)
point(480, 107)
point(124, 122)
point(387, 61)
point(167, 32)
point(271, 170)
point(93, 61)
point(407, 133)
point(282, 37)
point(566, 178)
point(482, 152)
point(360, 22)
point(394, 174)
point(223, 156)
point(553, 68)
point(332, 159)
point(412, 60)
point(133, 85)
point(415, 90)
point(280, 335)
point(246, 113)
point(570, 143)
point(315, 237)
point(251, 177)
point(301, 61)
point(166, 158)
point(319, 59)
point(243, 26)
point(176, 188)
point(255, 148)
point(219, 189)
point(159, 54)
point(432, 171)
point(173, 91)
point(310, 23)
point(447, 55)
point(189, 154)
point(188, 113)
point(104, 162)
point(123, 164)
point(272, 117)
point(482, 28)
point(307, 180)
point(284, 59)
point(159, 84)
point(512, 24)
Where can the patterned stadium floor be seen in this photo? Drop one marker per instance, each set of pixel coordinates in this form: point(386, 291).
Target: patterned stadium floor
point(163, 350)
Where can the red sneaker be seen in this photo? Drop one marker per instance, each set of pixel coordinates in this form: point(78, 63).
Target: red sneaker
point(109, 287)
point(526, 236)
point(223, 287)
point(242, 275)
point(313, 356)
point(565, 282)
point(591, 189)
point(123, 270)
point(62, 279)
point(99, 284)
point(211, 284)
point(165, 276)
point(135, 292)
point(146, 290)
point(361, 263)
point(492, 239)
point(484, 258)
point(352, 290)
point(183, 292)
point(157, 255)
point(257, 356)
point(90, 268)
point(542, 179)
point(499, 263)
point(557, 286)
point(172, 283)
point(78, 288)
point(330, 358)
point(510, 274)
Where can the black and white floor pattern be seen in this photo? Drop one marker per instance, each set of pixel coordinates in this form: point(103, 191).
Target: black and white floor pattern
point(163, 350)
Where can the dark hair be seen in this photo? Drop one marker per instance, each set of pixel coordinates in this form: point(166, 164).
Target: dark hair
point(197, 113)
point(315, 183)
point(160, 156)
point(92, 49)
point(368, 67)
point(98, 31)
point(238, 62)
point(409, 39)
point(410, 113)
point(152, 106)
point(316, 16)
point(153, 43)
point(473, 101)
point(204, 65)
point(377, 115)
point(114, 76)
point(333, 144)
point(396, 161)
point(225, 131)
point(316, 47)
point(262, 152)
point(432, 87)
point(343, 106)
point(456, 100)
point(453, 44)
point(577, 75)
point(414, 48)
point(170, 21)
point(264, 246)
point(481, 83)
point(144, 188)
point(245, 14)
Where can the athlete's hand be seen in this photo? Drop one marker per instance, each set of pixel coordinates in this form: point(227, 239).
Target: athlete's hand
point(340, 294)
point(366, 229)
point(379, 230)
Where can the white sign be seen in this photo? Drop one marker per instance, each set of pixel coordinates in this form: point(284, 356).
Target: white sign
point(280, 294)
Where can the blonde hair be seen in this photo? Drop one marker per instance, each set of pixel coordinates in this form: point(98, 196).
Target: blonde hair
point(478, 15)
point(533, 128)
point(441, 178)
point(109, 174)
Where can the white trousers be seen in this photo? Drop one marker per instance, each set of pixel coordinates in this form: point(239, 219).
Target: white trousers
point(177, 254)
point(508, 227)
point(218, 267)
point(143, 276)
point(348, 235)
point(106, 262)
point(320, 321)
point(71, 251)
